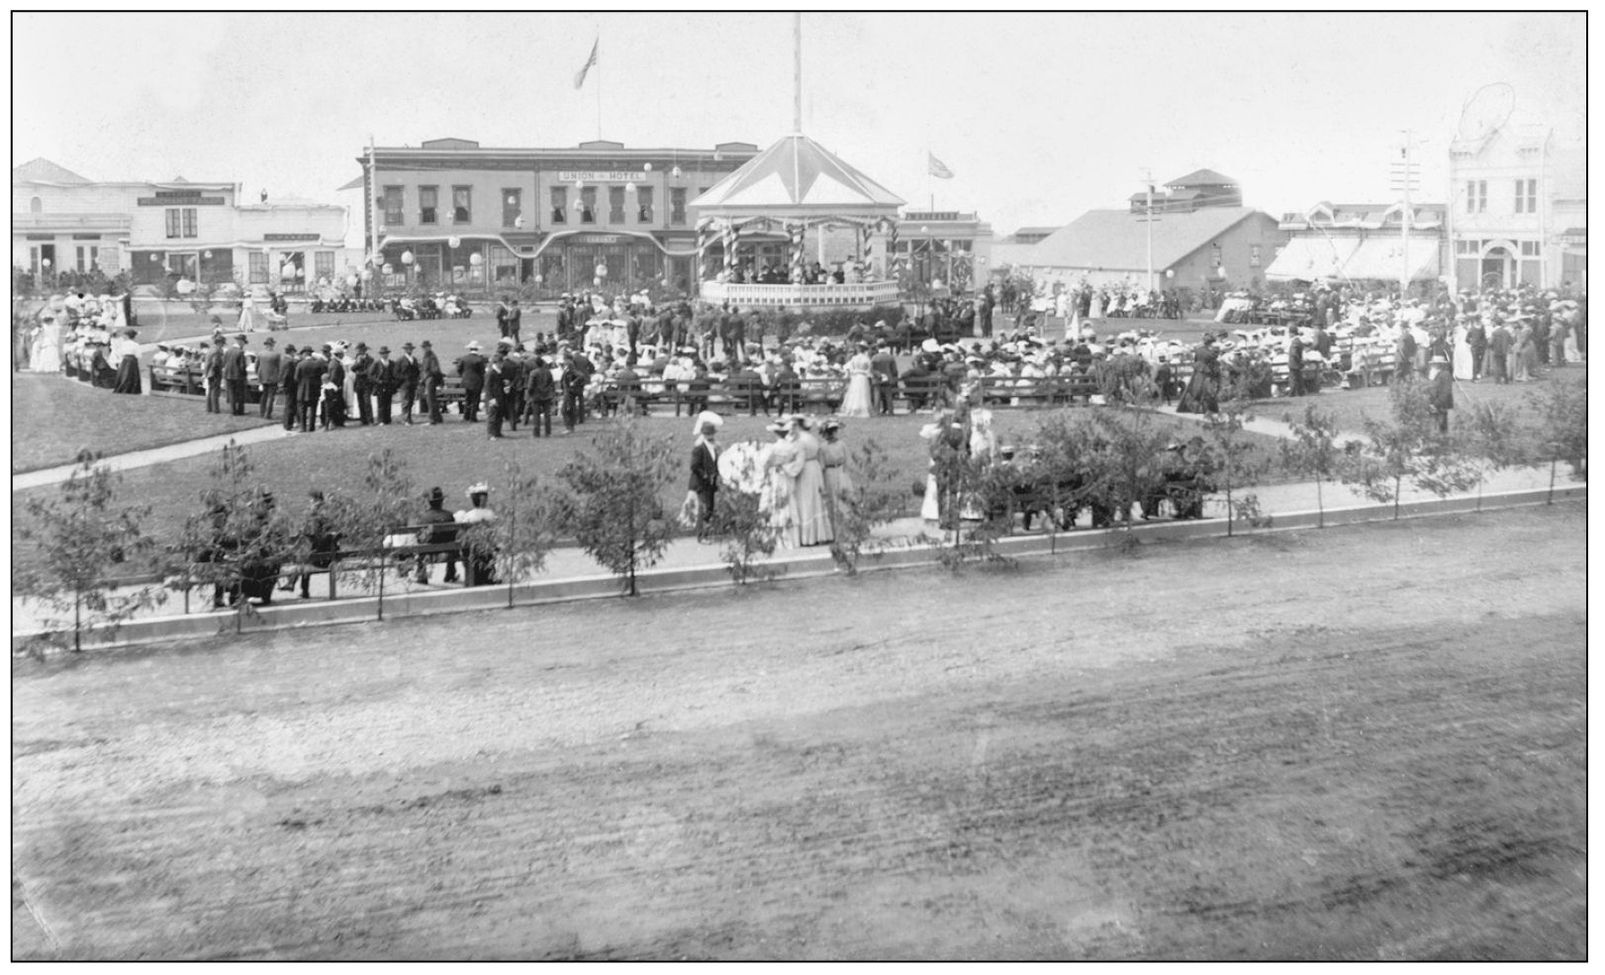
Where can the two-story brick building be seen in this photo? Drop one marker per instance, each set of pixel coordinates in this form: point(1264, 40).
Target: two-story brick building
point(477, 218)
point(160, 231)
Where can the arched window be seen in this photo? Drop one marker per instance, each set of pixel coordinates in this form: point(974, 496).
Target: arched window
point(36, 205)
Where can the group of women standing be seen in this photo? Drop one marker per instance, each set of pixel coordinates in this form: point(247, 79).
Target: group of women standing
point(805, 481)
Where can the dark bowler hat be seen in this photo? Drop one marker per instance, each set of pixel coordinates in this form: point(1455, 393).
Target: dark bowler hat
point(436, 494)
point(384, 350)
point(407, 346)
point(268, 340)
point(426, 344)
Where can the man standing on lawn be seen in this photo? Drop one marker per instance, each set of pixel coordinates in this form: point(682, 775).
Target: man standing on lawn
point(380, 379)
point(404, 376)
point(433, 379)
point(309, 386)
point(212, 376)
point(362, 384)
point(234, 375)
point(292, 397)
point(1441, 393)
point(269, 369)
point(472, 368)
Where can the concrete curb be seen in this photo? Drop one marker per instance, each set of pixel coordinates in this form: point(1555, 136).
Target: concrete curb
point(814, 564)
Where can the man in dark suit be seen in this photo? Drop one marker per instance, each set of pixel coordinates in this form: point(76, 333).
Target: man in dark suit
point(705, 476)
point(380, 379)
point(212, 373)
point(883, 367)
point(1498, 348)
point(515, 321)
point(431, 532)
point(309, 386)
point(269, 372)
point(1440, 393)
point(362, 383)
point(234, 375)
point(539, 392)
point(404, 377)
point(433, 379)
point(472, 368)
point(1477, 341)
point(292, 392)
point(495, 394)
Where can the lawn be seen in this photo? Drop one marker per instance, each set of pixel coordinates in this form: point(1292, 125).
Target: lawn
point(455, 454)
point(53, 418)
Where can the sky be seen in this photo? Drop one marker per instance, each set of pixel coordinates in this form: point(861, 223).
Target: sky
point(1040, 117)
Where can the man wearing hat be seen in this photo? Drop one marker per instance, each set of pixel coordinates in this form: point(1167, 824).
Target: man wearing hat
point(1499, 346)
point(404, 377)
point(362, 383)
point(432, 534)
point(380, 380)
point(212, 375)
point(471, 367)
point(309, 386)
point(1440, 393)
point(234, 375)
point(269, 372)
point(433, 378)
point(292, 400)
point(705, 472)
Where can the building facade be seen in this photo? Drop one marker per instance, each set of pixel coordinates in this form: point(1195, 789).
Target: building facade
point(451, 213)
point(948, 246)
point(1363, 243)
point(1518, 213)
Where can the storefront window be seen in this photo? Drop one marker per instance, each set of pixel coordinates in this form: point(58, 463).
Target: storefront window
point(462, 204)
point(560, 204)
point(615, 204)
point(504, 265)
point(256, 264)
point(393, 206)
point(428, 202)
point(323, 265)
point(644, 204)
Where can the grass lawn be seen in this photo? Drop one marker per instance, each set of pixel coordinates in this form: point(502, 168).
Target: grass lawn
point(1352, 406)
point(455, 454)
point(54, 417)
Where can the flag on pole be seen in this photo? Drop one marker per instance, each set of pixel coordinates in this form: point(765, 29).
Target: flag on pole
point(590, 62)
point(936, 167)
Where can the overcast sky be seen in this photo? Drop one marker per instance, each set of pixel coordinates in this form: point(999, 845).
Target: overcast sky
point(1039, 116)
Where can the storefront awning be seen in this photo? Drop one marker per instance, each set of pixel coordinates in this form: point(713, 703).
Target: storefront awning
point(1312, 259)
point(1382, 259)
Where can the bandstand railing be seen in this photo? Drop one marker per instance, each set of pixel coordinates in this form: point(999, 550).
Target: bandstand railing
point(851, 295)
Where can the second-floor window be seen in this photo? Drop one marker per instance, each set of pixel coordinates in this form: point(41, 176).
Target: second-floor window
point(615, 204)
point(181, 222)
point(462, 204)
point(512, 206)
point(1526, 196)
point(428, 204)
point(1476, 195)
point(677, 205)
point(588, 205)
point(643, 202)
point(393, 206)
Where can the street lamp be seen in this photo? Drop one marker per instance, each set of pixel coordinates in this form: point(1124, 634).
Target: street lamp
point(407, 260)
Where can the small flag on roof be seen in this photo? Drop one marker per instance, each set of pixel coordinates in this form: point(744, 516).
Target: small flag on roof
point(938, 169)
point(590, 62)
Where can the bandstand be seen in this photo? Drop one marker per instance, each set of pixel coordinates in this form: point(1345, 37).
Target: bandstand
point(766, 212)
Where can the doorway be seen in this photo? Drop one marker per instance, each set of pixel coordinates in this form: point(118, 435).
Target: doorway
point(1497, 268)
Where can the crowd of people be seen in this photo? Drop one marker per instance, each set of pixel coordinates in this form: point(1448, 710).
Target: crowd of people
point(90, 337)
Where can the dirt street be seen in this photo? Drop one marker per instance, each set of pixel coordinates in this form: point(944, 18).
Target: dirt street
point(1355, 743)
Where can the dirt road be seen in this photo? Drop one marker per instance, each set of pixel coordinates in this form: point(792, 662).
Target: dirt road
point(1357, 743)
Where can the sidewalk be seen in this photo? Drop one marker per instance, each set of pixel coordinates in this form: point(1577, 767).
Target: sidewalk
point(155, 455)
point(573, 565)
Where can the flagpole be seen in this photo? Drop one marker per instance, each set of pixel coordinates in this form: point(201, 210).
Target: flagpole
point(599, 90)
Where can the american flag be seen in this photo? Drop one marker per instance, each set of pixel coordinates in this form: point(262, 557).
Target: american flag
point(590, 62)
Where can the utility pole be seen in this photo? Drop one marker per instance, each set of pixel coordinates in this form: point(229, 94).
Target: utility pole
point(1148, 220)
point(1405, 175)
point(373, 204)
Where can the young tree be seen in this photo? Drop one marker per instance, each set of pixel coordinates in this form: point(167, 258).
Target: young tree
point(81, 536)
point(613, 503)
point(517, 541)
point(1491, 432)
point(239, 539)
point(1313, 452)
point(1235, 461)
point(1408, 446)
point(1563, 411)
point(870, 502)
point(365, 521)
point(1125, 465)
point(739, 516)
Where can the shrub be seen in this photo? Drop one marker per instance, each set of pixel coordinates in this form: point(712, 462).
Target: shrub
point(613, 503)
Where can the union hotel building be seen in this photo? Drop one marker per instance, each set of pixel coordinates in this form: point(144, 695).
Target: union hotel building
point(478, 219)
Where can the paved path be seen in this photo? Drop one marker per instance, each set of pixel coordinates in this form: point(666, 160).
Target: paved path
point(155, 455)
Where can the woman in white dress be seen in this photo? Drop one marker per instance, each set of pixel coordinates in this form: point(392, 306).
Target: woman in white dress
point(857, 401)
point(782, 463)
point(1462, 354)
point(248, 316)
point(808, 493)
point(46, 355)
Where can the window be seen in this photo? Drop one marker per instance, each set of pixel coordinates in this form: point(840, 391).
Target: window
point(1526, 196)
point(36, 205)
point(560, 204)
point(588, 205)
point(428, 204)
point(512, 207)
point(677, 206)
point(88, 258)
point(181, 222)
point(256, 265)
point(615, 204)
point(323, 265)
point(503, 265)
point(643, 201)
point(1476, 195)
point(393, 206)
point(1253, 255)
point(183, 265)
point(1529, 248)
point(462, 204)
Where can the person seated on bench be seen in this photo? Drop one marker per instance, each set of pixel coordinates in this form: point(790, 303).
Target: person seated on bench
point(480, 559)
point(321, 544)
point(434, 532)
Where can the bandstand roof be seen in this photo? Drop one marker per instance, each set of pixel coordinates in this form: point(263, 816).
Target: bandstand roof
point(797, 177)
